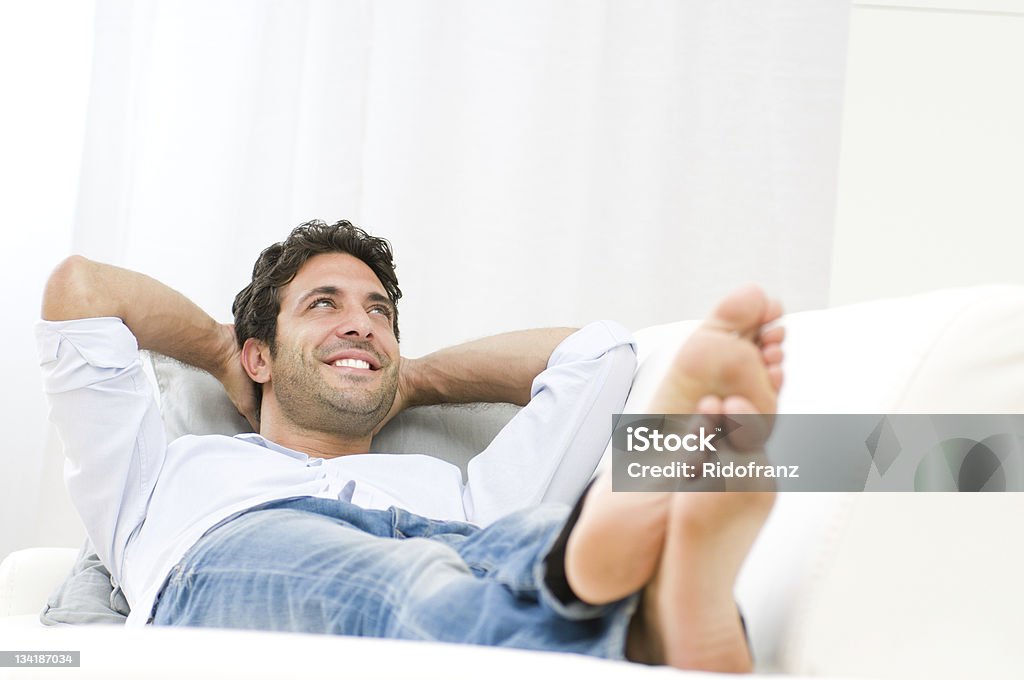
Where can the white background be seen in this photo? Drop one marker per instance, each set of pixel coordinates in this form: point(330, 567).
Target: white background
point(500, 149)
point(45, 60)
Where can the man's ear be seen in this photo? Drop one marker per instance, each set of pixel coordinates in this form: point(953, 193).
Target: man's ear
point(256, 360)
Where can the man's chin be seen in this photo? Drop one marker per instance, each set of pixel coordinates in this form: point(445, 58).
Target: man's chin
point(349, 422)
point(369, 409)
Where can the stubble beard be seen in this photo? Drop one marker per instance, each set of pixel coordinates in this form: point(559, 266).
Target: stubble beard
point(352, 407)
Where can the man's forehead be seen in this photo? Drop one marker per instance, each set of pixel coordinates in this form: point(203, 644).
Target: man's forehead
point(340, 271)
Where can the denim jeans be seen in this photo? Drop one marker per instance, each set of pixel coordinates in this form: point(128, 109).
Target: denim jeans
point(326, 566)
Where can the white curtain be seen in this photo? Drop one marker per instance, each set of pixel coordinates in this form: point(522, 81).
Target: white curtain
point(533, 162)
point(45, 58)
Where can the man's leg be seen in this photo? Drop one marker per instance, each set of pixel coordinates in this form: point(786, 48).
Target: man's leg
point(305, 565)
point(684, 549)
point(324, 566)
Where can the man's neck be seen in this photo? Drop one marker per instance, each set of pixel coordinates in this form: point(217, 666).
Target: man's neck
point(318, 444)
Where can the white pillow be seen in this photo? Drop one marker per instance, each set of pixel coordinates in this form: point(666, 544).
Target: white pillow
point(923, 585)
point(194, 402)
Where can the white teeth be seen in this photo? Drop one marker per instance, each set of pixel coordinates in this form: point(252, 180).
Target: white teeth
point(352, 363)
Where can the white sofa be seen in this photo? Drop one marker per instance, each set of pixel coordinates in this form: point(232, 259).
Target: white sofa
point(867, 585)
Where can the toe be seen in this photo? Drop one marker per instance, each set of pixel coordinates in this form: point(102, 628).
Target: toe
point(741, 311)
point(772, 336)
point(772, 310)
point(738, 406)
point(710, 405)
point(772, 354)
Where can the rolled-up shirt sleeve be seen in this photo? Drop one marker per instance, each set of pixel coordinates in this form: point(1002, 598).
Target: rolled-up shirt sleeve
point(104, 409)
point(549, 450)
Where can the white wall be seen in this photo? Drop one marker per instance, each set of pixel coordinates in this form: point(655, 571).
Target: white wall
point(932, 162)
point(45, 60)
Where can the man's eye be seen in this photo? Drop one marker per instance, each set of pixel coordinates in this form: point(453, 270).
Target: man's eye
point(322, 302)
point(383, 311)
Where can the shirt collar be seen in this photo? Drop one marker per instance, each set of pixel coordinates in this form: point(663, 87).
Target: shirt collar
point(260, 440)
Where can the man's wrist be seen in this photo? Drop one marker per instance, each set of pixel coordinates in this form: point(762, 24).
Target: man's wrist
point(224, 354)
point(413, 385)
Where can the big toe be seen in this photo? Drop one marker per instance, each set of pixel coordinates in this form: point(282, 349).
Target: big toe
point(743, 311)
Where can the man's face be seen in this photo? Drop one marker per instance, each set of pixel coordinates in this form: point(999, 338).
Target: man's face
point(335, 368)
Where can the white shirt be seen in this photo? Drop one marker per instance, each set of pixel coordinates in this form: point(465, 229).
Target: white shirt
point(145, 502)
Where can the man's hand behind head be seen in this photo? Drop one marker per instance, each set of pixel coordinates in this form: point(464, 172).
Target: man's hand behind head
point(240, 388)
point(404, 395)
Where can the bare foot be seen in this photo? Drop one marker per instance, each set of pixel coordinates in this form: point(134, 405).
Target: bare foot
point(689, 617)
point(731, 353)
point(627, 541)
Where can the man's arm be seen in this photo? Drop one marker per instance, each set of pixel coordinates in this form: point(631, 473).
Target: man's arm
point(499, 368)
point(161, 319)
point(548, 451)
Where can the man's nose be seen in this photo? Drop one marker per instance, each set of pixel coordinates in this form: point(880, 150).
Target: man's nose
point(355, 324)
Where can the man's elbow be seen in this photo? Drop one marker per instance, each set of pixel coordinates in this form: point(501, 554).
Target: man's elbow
point(71, 290)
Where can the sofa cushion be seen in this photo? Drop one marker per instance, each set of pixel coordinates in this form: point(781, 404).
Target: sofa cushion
point(87, 595)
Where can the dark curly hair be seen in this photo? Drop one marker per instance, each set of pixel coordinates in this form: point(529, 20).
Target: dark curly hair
point(257, 305)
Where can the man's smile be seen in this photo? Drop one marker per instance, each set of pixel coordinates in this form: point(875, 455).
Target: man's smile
point(351, 363)
point(352, 360)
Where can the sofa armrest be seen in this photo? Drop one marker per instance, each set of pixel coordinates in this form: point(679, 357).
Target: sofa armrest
point(27, 577)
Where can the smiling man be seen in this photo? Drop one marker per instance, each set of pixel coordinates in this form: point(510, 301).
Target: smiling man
point(298, 527)
point(321, 390)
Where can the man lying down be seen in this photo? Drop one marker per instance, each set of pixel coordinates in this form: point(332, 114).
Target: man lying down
point(299, 528)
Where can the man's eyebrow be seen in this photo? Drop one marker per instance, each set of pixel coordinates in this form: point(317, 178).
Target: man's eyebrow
point(377, 297)
point(321, 290)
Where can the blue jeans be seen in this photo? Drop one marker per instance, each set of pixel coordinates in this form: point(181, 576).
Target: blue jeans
point(326, 566)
